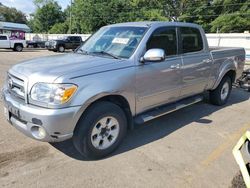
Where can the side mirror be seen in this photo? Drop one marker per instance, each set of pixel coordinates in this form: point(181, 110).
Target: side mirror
point(154, 55)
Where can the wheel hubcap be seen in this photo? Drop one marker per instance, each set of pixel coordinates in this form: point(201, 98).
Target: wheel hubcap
point(105, 132)
point(225, 91)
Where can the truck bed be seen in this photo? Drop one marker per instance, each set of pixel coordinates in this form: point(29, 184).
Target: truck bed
point(227, 54)
point(222, 52)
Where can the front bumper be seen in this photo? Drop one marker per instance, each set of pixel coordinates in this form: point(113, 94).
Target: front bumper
point(58, 123)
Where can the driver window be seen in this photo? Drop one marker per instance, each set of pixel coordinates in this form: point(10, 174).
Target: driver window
point(164, 38)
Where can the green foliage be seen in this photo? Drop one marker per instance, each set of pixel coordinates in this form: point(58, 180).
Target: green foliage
point(59, 28)
point(12, 15)
point(234, 17)
point(48, 13)
point(90, 15)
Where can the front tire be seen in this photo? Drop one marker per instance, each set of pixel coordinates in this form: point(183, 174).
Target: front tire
point(100, 130)
point(61, 49)
point(220, 95)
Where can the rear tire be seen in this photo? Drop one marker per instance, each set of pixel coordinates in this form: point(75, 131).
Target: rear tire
point(18, 48)
point(100, 130)
point(220, 95)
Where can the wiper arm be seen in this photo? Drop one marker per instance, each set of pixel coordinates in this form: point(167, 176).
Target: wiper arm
point(106, 53)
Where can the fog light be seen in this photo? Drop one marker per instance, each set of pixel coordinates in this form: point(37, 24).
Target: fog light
point(38, 132)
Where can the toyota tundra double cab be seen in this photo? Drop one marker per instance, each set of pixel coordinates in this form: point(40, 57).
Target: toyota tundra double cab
point(124, 74)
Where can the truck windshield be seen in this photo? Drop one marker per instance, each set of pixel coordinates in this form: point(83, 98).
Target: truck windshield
point(117, 42)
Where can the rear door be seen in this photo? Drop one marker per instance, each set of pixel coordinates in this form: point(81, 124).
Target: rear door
point(196, 61)
point(4, 42)
point(158, 83)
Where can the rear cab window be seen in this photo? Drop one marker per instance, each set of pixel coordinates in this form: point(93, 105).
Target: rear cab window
point(191, 40)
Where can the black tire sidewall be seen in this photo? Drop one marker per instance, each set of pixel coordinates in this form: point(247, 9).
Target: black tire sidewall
point(216, 94)
point(82, 135)
point(20, 48)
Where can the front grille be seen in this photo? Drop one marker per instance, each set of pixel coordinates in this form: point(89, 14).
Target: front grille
point(16, 86)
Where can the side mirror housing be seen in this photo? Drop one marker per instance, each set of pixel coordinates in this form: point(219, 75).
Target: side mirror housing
point(154, 55)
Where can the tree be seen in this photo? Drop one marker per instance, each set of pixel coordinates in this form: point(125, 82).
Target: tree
point(59, 28)
point(12, 15)
point(89, 16)
point(200, 12)
point(48, 13)
point(234, 16)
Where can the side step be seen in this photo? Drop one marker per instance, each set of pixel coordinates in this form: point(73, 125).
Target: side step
point(166, 109)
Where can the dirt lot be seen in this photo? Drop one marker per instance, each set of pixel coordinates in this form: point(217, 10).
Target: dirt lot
point(188, 148)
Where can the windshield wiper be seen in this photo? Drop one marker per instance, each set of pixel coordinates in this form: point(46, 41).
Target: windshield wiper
point(106, 53)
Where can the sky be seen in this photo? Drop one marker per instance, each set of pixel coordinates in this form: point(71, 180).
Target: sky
point(27, 6)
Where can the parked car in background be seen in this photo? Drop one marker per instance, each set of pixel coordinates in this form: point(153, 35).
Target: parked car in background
point(14, 44)
point(36, 44)
point(123, 73)
point(60, 45)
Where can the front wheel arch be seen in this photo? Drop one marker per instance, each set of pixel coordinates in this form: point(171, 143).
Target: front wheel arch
point(119, 100)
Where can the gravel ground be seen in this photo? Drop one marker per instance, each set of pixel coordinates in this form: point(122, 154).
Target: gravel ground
point(188, 148)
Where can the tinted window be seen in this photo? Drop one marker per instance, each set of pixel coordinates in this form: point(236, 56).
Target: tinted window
point(164, 38)
point(3, 38)
point(77, 39)
point(191, 40)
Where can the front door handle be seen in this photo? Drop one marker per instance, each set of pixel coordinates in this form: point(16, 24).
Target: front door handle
point(207, 61)
point(177, 66)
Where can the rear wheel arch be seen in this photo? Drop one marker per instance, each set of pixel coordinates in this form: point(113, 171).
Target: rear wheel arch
point(231, 74)
point(18, 44)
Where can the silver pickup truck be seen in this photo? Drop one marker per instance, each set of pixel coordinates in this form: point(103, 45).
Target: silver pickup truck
point(124, 74)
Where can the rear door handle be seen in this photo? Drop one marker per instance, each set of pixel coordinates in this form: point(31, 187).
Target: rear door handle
point(177, 66)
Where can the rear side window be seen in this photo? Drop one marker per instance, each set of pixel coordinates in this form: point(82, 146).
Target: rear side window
point(164, 38)
point(191, 39)
point(3, 38)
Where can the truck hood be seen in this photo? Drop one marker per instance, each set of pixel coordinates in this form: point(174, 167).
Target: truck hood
point(47, 69)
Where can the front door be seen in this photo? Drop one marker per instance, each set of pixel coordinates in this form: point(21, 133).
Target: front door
point(4, 42)
point(158, 83)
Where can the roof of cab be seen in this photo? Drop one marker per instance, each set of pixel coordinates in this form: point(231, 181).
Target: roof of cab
point(155, 23)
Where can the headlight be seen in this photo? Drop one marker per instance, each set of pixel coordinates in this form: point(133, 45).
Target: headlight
point(54, 43)
point(52, 93)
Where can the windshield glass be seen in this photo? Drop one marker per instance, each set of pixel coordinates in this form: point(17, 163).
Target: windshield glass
point(117, 41)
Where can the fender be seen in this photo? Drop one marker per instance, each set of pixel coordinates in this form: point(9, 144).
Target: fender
point(225, 67)
point(96, 97)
